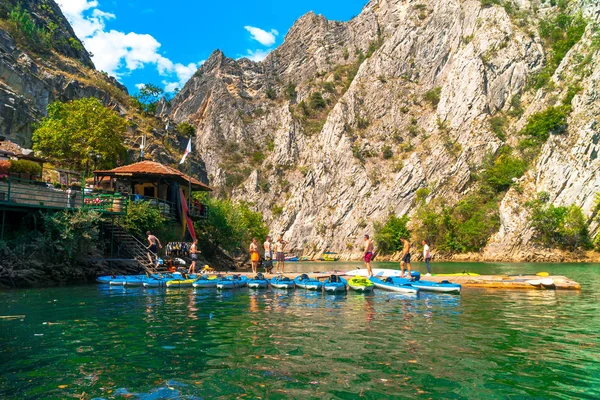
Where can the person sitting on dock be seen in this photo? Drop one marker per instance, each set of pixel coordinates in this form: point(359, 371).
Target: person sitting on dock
point(154, 245)
point(254, 256)
point(368, 254)
point(194, 254)
point(405, 257)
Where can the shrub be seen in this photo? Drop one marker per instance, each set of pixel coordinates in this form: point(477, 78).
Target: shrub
point(501, 174)
point(387, 152)
point(572, 90)
point(185, 129)
point(328, 87)
point(277, 210)
point(271, 94)
point(497, 125)
point(25, 167)
point(540, 125)
point(142, 217)
point(388, 235)
point(433, 96)
point(290, 91)
point(317, 101)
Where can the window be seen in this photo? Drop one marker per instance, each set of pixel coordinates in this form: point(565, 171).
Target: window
point(149, 191)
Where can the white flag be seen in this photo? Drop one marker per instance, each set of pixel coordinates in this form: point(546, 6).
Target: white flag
point(187, 151)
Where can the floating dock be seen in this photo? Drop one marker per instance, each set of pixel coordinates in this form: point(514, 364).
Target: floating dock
point(516, 282)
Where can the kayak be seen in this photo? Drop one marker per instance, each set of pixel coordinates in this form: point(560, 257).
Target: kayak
point(335, 284)
point(180, 283)
point(388, 284)
point(108, 278)
point(377, 272)
point(282, 282)
point(232, 282)
point(360, 284)
point(291, 258)
point(205, 281)
point(258, 282)
point(159, 282)
point(305, 282)
point(429, 286)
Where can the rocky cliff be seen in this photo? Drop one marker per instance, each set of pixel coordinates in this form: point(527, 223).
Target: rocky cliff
point(406, 91)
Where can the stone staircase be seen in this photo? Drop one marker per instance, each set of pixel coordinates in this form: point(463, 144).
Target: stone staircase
point(128, 245)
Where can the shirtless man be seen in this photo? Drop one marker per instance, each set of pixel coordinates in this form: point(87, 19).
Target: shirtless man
point(280, 254)
point(254, 256)
point(267, 247)
point(194, 253)
point(152, 247)
point(368, 254)
point(405, 257)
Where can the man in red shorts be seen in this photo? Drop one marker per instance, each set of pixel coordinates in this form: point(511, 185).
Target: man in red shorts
point(368, 254)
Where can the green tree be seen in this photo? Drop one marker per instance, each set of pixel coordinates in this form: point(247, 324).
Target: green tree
point(148, 97)
point(317, 101)
point(185, 129)
point(388, 235)
point(73, 130)
point(142, 217)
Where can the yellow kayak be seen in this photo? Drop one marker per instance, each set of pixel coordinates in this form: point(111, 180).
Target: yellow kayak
point(181, 283)
point(360, 284)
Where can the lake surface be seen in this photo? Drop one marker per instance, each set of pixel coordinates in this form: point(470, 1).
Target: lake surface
point(97, 342)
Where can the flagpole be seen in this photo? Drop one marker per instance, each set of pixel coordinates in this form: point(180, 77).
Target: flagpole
point(190, 183)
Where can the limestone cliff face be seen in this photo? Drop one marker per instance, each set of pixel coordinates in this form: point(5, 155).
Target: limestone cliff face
point(322, 184)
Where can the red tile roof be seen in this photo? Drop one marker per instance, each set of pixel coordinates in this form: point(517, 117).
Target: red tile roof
point(153, 168)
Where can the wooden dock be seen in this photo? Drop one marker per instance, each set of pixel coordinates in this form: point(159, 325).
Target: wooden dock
point(520, 282)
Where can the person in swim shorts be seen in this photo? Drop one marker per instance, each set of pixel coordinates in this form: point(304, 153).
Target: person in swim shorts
point(280, 255)
point(368, 254)
point(405, 257)
point(194, 253)
point(254, 256)
point(154, 245)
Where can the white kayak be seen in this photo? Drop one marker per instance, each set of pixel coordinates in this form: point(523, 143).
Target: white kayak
point(381, 272)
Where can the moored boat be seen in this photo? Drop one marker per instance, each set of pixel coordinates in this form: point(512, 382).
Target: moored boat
point(388, 284)
point(335, 284)
point(360, 284)
point(306, 282)
point(291, 258)
point(429, 286)
point(282, 282)
point(258, 282)
point(180, 283)
point(330, 256)
point(232, 282)
point(205, 281)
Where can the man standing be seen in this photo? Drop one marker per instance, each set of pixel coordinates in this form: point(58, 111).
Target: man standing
point(368, 254)
point(267, 247)
point(152, 248)
point(405, 257)
point(254, 256)
point(427, 257)
point(280, 255)
point(194, 253)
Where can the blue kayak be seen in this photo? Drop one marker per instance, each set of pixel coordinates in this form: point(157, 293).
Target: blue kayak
point(388, 284)
point(282, 282)
point(232, 282)
point(429, 286)
point(108, 278)
point(205, 281)
point(258, 282)
point(335, 284)
point(305, 282)
point(159, 280)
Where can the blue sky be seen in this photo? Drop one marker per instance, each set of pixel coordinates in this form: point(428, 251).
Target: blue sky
point(164, 42)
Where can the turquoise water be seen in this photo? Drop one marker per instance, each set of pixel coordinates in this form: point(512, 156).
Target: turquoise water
point(93, 341)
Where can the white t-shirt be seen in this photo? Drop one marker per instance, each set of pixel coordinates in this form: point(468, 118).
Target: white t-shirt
point(426, 251)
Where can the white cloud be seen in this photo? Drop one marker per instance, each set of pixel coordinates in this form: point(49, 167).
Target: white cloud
point(140, 86)
point(119, 53)
point(261, 36)
point(257, 55)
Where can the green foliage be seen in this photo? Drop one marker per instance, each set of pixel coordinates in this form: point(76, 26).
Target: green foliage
point(561, 227)
point(277, 210)
point(433, 96)
point(75, 45)
point(185, 129)
point(497, 124)
point(142, 217)
point(572, 90)
point(72, 130)
point(148, 97)
point(328, 87)
point(516, 107)
point(541, 125)
point(290, 92)
point(271, 93)
point(25, 167)
point(490, 3)
point(69, 236)
point(317, 101)
point(388, 235)
point(387, 152)
point(230, 226)
point(499, 176)
point(257, 157)
point(25, 30)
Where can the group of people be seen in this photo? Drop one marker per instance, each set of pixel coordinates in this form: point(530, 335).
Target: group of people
point(154, 244)
point(269, 247)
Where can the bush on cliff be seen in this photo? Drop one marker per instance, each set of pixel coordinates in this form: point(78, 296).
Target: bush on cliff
point(388, 234)
point(142, 217)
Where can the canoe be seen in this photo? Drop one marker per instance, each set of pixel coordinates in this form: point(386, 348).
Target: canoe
point(205, 281)
point(180, 283)
point(389, 285)
point(258, 282)
point(305, 282)
point(232, 282)
point(429, 286)
point(360, 284)
point(334, 284)
point(381, 272)
point(282, 282)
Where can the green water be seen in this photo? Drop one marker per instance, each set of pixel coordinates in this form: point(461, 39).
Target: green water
point(93, 341)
